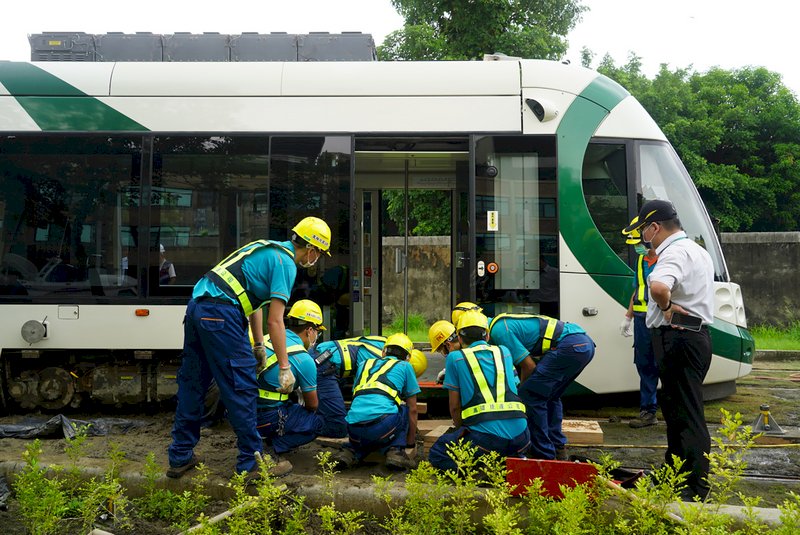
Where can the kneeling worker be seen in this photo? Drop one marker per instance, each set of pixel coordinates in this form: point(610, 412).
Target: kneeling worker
point(444, 339)
point(383, 414)
point(484, 404)
point(283, 422)
point(566, 350)
point(337, 360)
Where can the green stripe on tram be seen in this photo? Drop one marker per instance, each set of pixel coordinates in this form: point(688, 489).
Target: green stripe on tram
point(56, 106)
point(579, 231)
point(584, 240)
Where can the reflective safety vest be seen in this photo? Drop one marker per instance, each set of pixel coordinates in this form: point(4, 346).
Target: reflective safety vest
point(349, 347)
point(376, 382)
point(549, 330)
point(266, 391)
point(490, 403)
point(640, 299)
point(229, 277)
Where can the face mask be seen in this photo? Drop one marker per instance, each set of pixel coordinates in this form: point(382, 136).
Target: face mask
point(640, 249)
point(306, 265)
point(316, 337)
point(647, 244)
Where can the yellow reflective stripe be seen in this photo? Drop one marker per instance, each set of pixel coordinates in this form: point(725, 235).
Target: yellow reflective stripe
point(226, 276)
point(547, 340)
point(493, 407)
point(237, 288)
point(380, 386)
point(292, 349)
point(272, 396)
point(490, 403)
point(639, 304)
point(369, 380)
point(347, 360)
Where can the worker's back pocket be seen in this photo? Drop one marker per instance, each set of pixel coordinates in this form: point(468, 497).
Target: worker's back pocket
point(212, 324)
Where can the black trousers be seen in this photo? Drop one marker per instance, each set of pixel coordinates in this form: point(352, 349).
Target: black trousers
point(683, 359)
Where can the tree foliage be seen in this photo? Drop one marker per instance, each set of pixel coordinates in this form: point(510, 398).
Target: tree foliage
point(458, 30)
point(429, 211)
point(737, 132)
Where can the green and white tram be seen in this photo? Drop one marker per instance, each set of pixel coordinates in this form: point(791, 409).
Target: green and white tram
point(500, 182)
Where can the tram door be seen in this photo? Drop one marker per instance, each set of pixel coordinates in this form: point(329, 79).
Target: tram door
point(408, 262)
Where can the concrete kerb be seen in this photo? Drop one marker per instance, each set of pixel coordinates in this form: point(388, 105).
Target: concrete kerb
point(351, 494)
point(776, 354)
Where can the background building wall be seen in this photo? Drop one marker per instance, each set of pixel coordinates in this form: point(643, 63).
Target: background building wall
point(765, 265)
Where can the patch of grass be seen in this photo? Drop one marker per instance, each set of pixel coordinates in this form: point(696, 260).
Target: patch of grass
point(417, 327)
point(780, 338)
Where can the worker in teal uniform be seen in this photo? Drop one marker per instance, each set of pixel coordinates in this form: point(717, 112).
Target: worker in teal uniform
point(337, 361)
point(565, 350)
point(484, 404)
point(383, 414)
point(633, 324)
point(217, 343)
point(282, 423)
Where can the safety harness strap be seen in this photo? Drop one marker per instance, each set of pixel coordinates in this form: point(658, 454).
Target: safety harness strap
point(227, 270)
point(369, 382)
point(640, 301)
point(493, 404)
point(552, 330)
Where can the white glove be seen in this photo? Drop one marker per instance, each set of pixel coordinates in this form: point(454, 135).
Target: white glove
point(440, 377)
point(286, 380)
point(626, 327)
point(260, 353)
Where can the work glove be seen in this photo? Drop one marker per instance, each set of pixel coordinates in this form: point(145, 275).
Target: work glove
point(285, 380)
point(626, 327)
point(440, 377)
point(260, 353)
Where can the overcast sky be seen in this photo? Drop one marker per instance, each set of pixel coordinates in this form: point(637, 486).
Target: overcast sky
point(702, 33)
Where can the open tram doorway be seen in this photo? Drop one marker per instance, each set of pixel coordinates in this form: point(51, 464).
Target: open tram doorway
point(411, 206)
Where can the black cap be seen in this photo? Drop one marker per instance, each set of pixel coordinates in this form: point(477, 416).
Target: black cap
point(651, 212)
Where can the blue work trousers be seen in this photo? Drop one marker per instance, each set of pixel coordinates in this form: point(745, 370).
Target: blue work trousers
point(439, 457)
point(331, 402)
point(288, 426)
point(645, 360)
point(216, 345)
point(541, 392)
point(389, 431)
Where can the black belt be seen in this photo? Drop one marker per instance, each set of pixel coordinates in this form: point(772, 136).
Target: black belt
point(215, 300)
point(671, 328)
point(372, 422)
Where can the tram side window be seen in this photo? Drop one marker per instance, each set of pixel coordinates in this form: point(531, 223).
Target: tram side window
point(204, 203)
point(68, 216)
point(517, 226)
point(310, 176)
point(605, 189)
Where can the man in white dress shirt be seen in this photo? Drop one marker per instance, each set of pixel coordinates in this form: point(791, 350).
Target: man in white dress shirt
point(682, 282)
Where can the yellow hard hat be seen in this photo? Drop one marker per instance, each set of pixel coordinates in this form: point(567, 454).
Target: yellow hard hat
point(473, 318)
point(418, 361)
point(307, 310)
point(400, 340)
point(632, 237)
point(316, 232)
point(439, 333)
point(461, 308)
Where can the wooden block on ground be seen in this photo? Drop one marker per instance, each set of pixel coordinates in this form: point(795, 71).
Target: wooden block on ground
point(425, 426)
point(432, 436)
point(582, 431)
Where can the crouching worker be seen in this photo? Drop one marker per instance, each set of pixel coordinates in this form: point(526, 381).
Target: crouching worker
point(484, 404)
point(282, 423)
point(444, 339)
point(383, 414)
point(338, 360)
